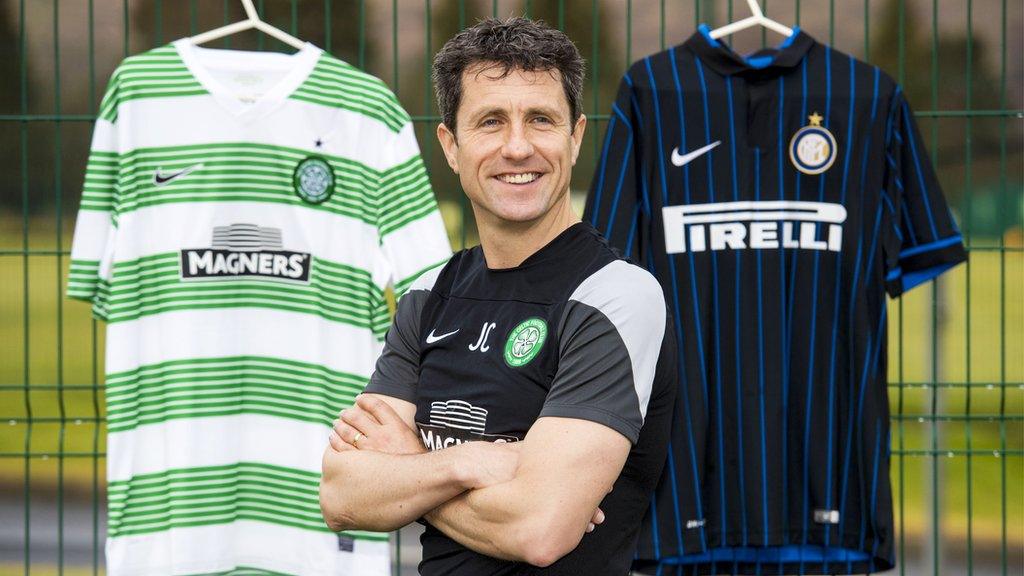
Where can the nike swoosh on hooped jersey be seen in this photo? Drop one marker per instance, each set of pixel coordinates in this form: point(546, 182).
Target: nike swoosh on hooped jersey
point(683, 159)
point(431, 338)
point(159, 178)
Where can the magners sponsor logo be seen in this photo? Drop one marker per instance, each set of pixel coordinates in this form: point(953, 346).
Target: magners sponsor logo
point(453, 422)
point(754, 225)
point(245, 250)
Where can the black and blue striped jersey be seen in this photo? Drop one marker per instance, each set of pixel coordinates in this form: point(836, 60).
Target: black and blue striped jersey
point(777, 197)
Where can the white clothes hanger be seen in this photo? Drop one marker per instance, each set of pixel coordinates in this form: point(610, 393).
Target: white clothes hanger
point(252, 21)
point(757, 17)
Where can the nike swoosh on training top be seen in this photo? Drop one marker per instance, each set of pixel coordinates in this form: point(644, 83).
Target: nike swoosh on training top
point(431, 338)
point(160, 179)
point(682, 160)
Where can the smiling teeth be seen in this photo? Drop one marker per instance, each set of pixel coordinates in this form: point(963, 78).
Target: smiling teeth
point(519, 178)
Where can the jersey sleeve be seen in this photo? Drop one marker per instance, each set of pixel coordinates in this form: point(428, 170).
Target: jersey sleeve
point(412, 234)
point(398, 368)
point(921, 239)
point(614, 202)
point(610, 337)
point(95, 228)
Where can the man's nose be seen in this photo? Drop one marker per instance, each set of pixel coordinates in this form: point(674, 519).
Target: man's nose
point(517, 143)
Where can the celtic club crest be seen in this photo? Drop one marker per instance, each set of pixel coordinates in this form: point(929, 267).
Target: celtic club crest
point(314, 180)
point(525, 342)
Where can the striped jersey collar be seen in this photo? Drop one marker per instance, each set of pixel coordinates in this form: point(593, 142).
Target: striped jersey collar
point(296, 69)
point(719, 56)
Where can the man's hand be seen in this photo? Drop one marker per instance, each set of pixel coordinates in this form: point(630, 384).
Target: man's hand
point(379, 428)
point(384, 478)
point(595, 520)
point(371, 424)
point(554, 499)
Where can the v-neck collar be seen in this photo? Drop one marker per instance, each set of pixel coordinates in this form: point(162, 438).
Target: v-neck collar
point(723, 60)
point(299, 66)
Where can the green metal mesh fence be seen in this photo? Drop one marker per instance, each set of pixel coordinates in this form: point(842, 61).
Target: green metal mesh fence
point(956, 346)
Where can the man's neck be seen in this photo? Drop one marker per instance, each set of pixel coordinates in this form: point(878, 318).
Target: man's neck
point(508, 244)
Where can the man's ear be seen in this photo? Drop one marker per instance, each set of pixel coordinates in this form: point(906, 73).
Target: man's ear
point(577, 136)
point(449, 145)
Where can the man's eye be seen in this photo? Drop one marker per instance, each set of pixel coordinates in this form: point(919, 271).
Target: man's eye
point(489, 122)
point(542, 119)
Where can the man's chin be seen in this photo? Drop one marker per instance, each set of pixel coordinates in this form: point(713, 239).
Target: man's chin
point(519, 213)
point(523, 218)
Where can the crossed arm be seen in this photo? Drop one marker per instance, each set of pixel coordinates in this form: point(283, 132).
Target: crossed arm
point(529, 501)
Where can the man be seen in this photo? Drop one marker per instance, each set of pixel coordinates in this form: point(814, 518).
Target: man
point(541, 344)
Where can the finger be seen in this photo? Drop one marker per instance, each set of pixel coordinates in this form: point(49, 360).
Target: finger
point(590, 527)
point(598, 516)
point(360, 420)
point(337, 444)
point(379, 409)
point(335, 441)
point(346, 432)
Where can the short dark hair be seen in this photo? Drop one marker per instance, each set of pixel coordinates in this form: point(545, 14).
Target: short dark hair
point(513, 44)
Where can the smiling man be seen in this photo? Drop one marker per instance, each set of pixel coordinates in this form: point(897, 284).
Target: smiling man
point(521, 406)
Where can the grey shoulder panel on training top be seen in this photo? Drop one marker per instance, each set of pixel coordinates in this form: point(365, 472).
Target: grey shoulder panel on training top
point(633, 301)
point(610, 336)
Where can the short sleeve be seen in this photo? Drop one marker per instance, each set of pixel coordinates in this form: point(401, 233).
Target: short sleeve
point(921, 239)
point(398, 367)
point(409, 224)
point(95, 228)
point(610, 336)
point(614, 201)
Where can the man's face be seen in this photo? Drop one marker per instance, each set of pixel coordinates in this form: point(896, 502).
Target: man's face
point(516, 143)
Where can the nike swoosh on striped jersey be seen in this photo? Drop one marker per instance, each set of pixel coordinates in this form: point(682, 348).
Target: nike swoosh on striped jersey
point(160, 179)
point(431, 338)
point(683, 159)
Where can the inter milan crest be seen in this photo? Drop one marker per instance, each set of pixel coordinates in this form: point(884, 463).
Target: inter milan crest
point(314, 180)
point(525, 341)
point(813, 148)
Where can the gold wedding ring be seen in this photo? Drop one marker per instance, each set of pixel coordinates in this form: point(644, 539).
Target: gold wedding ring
point(357, 437)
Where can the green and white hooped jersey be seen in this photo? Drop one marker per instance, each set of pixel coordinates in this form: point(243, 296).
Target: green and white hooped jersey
point(242, 215)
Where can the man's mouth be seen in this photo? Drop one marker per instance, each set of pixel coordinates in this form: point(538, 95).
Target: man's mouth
point(521, 178)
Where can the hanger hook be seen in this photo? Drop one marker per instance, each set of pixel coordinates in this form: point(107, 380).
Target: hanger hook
point(250, 11)
point(755, 8)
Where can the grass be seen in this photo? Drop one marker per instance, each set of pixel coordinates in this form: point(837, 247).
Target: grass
point(978, 355)
point(51, 395)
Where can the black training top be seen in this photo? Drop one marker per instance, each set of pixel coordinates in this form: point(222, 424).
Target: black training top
point(574, 332)
point(777, 197)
